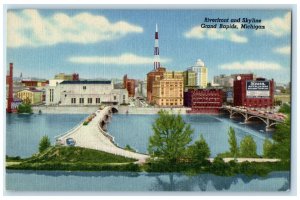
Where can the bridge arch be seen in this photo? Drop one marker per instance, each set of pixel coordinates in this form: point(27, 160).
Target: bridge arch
point(229, 111)
point(240, 113)
point(114, 110)
point(274, 123)
point(253, 116)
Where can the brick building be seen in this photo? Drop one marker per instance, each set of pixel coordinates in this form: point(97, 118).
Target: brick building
point(251, 92)
point(204, 100)
point(129, 85)
point(150, 79)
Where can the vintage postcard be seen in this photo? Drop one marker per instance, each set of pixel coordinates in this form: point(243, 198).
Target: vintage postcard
point(148, 100)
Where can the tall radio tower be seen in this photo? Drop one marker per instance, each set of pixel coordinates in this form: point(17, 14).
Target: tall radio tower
point(156, 51)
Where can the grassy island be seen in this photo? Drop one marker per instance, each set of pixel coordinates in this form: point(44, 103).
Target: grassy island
point(73, 159)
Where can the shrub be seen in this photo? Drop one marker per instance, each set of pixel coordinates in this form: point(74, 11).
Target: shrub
point(44, 143)
point(24, 108)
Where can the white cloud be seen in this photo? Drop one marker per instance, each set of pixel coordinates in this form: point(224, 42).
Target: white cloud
point(29, 28)
point(124, 59)
point(286, 50)
point(278, 26)
point(216, 34)
point(251, 65)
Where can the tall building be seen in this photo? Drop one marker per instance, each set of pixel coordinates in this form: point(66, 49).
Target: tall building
point(168, 89)
point(224, 81)
point(151, 76)
point(250, 92)
point(201, 71)
point(190, 78)
point(129, 85)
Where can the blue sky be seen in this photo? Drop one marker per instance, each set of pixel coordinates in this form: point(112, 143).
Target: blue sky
point(111, 43)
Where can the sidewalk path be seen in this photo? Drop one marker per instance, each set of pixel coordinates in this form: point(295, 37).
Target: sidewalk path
point(239, 160)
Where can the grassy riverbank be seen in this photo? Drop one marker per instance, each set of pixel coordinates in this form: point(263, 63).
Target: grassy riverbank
point(73, 159)
point(81, 159)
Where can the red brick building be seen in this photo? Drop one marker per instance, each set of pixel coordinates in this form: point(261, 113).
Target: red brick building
point(204, 100)
point(150, 79)
point(129, 84)
point(250, 92)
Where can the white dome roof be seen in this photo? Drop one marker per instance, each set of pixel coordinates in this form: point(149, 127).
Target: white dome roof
point(199, 63)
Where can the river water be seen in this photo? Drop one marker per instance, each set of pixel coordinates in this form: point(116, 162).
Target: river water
point(135, 131)
point(24, 132)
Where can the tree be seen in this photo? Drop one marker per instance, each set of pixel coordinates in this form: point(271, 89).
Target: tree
point(285, 108)
point(199, 151)
point(171, 137)
point(44, 143)
point(24, 108)
point(234, 149)
point(268, 149)
point(248, 147)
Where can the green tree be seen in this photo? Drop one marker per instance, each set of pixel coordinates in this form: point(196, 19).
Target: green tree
point(248, 147)
point(171, 137)
point(234, 149)
point(44, 143)
point(285, 108)
point(24, 108)
point(283, 130)
point(268, 149)
point(199, 151)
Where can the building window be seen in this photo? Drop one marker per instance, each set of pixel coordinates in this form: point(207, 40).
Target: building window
point(84, 87)
point(97, 100)
point(115, 97)
point(81, 100)
point(90, 100)
point(51, 95)
point(73, 100)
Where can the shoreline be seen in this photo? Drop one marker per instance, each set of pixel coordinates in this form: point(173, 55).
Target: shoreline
point(121, 110)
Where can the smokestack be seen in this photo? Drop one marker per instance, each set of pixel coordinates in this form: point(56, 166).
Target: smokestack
point(156, 50)
point(10, 88)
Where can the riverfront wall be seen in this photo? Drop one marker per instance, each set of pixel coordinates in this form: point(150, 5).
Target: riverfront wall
point(91, 109)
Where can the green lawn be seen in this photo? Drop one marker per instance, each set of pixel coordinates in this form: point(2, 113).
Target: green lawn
point(77, 154)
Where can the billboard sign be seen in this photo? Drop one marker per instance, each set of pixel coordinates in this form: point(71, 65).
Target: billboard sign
point(258, 89)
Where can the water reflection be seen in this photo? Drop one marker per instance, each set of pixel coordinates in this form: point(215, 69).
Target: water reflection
point(128, 181)
point(209, 182)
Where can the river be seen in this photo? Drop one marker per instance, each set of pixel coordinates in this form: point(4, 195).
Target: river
point(24, 132)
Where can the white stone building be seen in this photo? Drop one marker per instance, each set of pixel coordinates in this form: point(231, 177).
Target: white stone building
point(84, 93)
point(201, 73)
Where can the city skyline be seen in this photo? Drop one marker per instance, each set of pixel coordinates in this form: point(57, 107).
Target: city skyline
point(42, 43)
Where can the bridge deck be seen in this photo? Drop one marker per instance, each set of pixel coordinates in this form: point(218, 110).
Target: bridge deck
point(90, 136)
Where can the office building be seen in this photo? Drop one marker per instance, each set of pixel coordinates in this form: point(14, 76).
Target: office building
point(84, 93)
point(250, 92)
point(201, 72)
point(168, 89)
point(129, 85)
point(204, 100)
